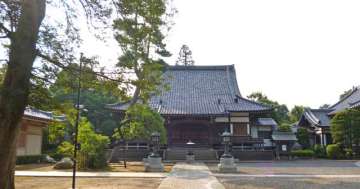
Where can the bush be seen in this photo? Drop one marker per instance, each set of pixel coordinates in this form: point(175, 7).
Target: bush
point(29, 159)
point(66, 149)
point(334, 151)
point(348, 153)
point(284, 128)
point(303, 153)
point(320, 151)
point(303, 137)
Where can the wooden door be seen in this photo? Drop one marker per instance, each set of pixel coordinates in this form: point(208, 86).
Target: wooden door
point(240, 129)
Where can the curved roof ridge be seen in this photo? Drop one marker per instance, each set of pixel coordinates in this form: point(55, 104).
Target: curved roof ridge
point(346, 97)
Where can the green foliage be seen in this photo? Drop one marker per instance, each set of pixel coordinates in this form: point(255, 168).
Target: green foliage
point(320, 151)
point(185, 57)
point(140, 122)
point(92, 147)
point(348, 153)
point(280, 111)
point(334, 151)
point(29, 159)
point(345, 128)
point(284, 127)
point(303, 137)
point(139, 32)
point(66, 149)
point(303, 153)
point(296, 113)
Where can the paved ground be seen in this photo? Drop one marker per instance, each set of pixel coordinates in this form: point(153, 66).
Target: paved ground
point(190, 176)
point(312, 167)
point(86, 183)
point(309, 174)
point(289, 183)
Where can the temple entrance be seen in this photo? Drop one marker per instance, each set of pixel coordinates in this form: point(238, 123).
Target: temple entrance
point(181, 133)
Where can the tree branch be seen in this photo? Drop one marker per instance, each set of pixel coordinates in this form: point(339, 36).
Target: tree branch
point(6, 30)
point(63, 66)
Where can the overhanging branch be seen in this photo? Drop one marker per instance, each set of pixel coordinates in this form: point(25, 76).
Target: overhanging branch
point(63, 66)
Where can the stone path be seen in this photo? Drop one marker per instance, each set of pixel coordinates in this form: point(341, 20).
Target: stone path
point(90, 174)
point(357, 163)
point(190, 176)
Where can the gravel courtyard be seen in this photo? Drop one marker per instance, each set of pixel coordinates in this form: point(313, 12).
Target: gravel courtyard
point(289, 183)
point(289, 168)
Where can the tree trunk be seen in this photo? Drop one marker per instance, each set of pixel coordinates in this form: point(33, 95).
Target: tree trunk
point(15, 91)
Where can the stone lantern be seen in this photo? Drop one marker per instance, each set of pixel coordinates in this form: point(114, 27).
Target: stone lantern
point(154, 163)
point(227, 163)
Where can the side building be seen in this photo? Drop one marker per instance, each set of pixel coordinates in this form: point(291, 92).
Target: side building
point(205, 101)
point(317, 121)
point(31, 132)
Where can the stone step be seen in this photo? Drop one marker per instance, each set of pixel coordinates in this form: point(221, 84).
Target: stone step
point(200, 154)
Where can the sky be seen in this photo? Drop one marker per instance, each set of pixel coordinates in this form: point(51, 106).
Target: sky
point(296, 52)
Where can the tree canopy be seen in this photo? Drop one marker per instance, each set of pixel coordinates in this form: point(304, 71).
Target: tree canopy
point(185, 57)
point(280, 111)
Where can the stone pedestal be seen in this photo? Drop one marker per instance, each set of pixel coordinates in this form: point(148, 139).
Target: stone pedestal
point(227, 165)
point(154, 164)
point(190, 158)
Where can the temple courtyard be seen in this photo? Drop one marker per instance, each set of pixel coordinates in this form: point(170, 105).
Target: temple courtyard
point(316, 174)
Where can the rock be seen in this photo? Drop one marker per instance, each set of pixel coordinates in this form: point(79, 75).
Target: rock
point(64, 163)
point(49, 159)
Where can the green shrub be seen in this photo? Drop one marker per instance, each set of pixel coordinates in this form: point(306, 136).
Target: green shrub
point(303, 137)
point(66, 149)
point(284, 128)
point(303, 153)
point(320, 151)
point(334, 151)
point(29, 159)
point(348, 153)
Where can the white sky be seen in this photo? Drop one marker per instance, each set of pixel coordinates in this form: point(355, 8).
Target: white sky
point(296, 52)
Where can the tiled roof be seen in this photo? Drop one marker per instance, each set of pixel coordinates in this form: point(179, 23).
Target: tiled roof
point(200, 90)
point(39, 114)
point(283, 136)
point(266, 122)
point(317, 117)
point(350, 101)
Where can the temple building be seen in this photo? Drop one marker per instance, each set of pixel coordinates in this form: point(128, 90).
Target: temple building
point(31, 132)
point(317, 121)
point(205, 101)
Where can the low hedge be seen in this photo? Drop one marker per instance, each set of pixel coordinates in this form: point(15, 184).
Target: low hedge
point(29, 159)
point(303, 153)
point(334, 151)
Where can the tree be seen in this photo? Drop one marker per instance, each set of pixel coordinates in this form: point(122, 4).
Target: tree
point(185, 57)
point(26, 37)
point(280, 111)
point(303, 137)
point(325, 106)
point(296, 113)
point(346, 93)
point(345, 128)
point(284, 128)
point(139, 34)
point(140, 122)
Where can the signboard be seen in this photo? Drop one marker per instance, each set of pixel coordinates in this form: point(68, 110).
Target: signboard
point(284, 148)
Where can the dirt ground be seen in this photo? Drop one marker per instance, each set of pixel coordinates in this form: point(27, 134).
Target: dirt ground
point(86, 183)
point(118, 167)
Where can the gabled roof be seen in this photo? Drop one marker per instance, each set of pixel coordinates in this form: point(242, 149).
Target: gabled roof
point(266, 122)
point(200, 90)
point(350, 101)
point(316, 117)
point(34, 113)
